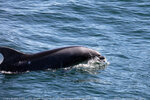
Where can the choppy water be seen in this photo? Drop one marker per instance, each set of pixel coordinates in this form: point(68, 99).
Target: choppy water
point(119, 29)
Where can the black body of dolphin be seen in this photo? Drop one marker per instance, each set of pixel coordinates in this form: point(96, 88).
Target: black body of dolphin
point(15, 61)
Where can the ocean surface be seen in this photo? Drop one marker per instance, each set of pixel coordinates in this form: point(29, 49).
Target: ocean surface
point(118, 29)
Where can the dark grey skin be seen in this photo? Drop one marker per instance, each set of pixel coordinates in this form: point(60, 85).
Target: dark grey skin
point(15, 61)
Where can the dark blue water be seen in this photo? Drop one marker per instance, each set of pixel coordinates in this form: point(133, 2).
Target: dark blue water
point(118, 29)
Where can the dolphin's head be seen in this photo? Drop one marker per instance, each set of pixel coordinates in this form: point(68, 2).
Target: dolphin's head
point(94, 54)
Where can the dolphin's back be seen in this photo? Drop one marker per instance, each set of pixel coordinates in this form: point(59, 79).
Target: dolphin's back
point(62, 57)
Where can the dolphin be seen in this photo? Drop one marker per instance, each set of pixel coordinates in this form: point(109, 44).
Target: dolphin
point(15, 61)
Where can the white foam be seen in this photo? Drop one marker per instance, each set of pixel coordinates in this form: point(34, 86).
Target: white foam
point(1, 58)
point(9, 72)
point(93, 64)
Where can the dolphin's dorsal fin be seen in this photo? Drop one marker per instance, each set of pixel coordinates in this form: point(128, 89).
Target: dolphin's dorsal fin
point(9, 55)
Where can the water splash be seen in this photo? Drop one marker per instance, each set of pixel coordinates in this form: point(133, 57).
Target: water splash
point(92, 65)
